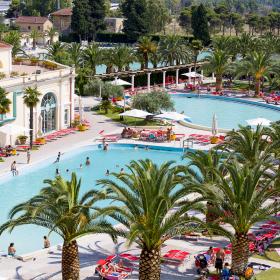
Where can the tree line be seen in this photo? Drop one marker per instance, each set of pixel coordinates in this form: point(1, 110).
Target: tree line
point(223, 20)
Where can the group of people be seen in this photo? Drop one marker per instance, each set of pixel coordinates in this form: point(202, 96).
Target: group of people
point(57, 172)
point(12, 249)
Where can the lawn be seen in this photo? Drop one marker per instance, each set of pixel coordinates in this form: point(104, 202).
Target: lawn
point(129, 121)
point(271, 274)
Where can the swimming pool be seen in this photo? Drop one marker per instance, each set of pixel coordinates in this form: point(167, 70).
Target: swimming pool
point(20, 188)
point(229, 113)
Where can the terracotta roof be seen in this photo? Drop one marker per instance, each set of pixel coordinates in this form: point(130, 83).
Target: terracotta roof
point(63, 12)
point(5, 45)
point(26, 19)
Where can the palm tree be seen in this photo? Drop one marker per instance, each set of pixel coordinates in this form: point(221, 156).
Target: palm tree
point(259, 65)
point(51, 33)
point(35, 35)
point(4, 102)
point(31, 99)
point(13, 38)
point(249, 145)
point(218, 62)
point(108, 60)
point(60, 208)
point(244, 198)
point(173, 50)
point(92, 56)
point(146, 196)
point(56, 52)
point(245, 44)
point(75, 54)
point(122, 57)
point(146, 47)
point(202, 169)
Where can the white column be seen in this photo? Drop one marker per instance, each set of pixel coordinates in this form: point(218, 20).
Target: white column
point(132, 82)
point(177, 77)
point(149, 81)
point(190, 80)
point(213, 75)
point(164, 77)
point(202, 75)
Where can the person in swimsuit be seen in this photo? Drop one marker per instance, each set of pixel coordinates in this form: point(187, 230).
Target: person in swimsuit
point(12, 250)
point(220, 256)
point(47, 243)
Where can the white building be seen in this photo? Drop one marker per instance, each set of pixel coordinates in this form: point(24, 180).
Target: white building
point(56, 83)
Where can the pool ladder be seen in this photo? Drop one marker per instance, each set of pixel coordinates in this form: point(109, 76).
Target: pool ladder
point(187, 143)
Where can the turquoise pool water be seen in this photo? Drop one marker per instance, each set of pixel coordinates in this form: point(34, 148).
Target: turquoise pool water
point(18, 189)
point(229, 113)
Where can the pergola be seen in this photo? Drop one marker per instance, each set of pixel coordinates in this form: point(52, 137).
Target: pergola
point(149, 71)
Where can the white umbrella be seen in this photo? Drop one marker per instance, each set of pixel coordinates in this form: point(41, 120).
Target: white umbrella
point(40, 129)
point(120, 82)
point(135, 113)
point(214, 125)
point(259, 121)
point(13, 129)
point(192, 75)
point(81, 109)
point(173, 116)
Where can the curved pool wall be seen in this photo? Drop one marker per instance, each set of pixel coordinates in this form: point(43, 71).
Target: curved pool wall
point(18, 189)
point(235, 100)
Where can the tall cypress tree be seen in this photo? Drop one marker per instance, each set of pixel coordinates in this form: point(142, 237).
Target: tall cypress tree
point(200, 24)
point(97, 15)
point(134, 12)
point(80, 23)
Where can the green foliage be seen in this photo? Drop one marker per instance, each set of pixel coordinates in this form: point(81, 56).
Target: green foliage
point(13, 38)
point(153, 102)
point(147, 194)
point(106, 90)
point(174, 51)
point(5, 102)
point(134, 12)
point(80, 23)
point(57, 52)
point(92, 56)
point(97, 15)
point(200, 24)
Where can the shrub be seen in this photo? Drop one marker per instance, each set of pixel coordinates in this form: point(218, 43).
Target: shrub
point(108, 90)
point(153, 102)
point(14, 74)
point(2, 75)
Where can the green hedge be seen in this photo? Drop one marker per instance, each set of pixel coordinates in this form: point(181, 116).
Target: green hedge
point(108, 37)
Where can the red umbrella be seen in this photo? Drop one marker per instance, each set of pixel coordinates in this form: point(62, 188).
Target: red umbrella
point(101, 262)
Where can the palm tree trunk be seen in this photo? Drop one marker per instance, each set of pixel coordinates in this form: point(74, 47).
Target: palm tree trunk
point(31, 127)
point(219, 81)
point(70, 261)
point(149, 266)
point(257, 87)
point(240, 253)
point(34, 43)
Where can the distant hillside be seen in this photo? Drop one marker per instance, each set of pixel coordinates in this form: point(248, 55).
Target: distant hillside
point(241, 6)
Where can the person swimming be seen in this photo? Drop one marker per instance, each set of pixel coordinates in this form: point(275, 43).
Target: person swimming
point(107, 172)
point(81, 166)
point(87, 161)
point(122, 171)
point(57, 172)
point(67, 170)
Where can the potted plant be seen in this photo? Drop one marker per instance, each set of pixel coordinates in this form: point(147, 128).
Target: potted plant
point(22, 139)
point(81, 127)
point(41, 140)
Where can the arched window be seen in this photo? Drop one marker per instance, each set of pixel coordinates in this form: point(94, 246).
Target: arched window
point(48, 113)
